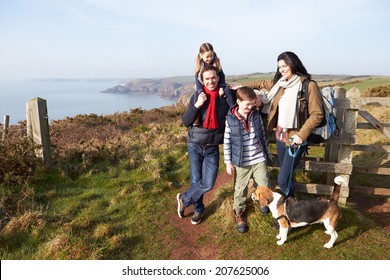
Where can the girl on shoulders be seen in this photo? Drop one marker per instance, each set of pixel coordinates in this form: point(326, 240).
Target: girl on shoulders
point(205, 58)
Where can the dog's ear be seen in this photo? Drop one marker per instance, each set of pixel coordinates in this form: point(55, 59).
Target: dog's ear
point(255, 195)
point(263, 195)
point(263, 201)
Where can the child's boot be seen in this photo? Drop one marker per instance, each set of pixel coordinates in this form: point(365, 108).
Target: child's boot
point(240, 220)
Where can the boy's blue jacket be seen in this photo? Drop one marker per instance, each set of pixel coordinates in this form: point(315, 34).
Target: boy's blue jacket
point(236, 137)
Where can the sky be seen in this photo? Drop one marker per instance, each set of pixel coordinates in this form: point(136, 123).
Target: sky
point(161, 38)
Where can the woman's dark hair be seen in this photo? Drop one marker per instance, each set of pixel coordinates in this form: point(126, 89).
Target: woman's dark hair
point(295, 64)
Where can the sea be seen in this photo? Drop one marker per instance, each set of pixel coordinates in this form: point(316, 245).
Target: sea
point(70, 98)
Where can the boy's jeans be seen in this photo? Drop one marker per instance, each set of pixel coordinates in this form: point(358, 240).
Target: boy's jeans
point(204, 163)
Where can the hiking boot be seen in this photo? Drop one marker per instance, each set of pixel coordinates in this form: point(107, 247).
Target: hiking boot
point(240, 220)
point(197, 218)
point(180, 206)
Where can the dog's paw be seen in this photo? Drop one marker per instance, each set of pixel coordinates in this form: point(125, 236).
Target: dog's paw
point(328, 232)
point(280, 242)
point(328, 245)
point(278, 236)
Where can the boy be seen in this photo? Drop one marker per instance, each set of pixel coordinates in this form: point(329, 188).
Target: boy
point(245, 150)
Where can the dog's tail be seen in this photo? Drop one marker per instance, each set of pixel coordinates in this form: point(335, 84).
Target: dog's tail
point(338, 181)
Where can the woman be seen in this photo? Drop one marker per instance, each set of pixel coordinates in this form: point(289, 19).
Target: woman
point(285, 114)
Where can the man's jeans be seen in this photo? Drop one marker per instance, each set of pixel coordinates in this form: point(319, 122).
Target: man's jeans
point(204, 163)
point(287, 164)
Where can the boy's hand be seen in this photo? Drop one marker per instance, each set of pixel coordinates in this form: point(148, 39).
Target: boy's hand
point(229, 168)
point(271, 157)
point(221, 92)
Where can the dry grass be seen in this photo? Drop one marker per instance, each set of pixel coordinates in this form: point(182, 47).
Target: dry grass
point(23, 223)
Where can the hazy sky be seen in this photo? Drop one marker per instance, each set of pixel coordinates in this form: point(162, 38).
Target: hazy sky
point(160, 38)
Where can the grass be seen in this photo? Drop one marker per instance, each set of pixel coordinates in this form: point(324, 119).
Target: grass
point(110, 195)
point(119, 213)
point(105, 215)
point(356, 234)
point(364, 85)
point(111, 229)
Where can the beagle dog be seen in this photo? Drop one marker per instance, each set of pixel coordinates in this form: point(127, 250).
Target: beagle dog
point(291, 212)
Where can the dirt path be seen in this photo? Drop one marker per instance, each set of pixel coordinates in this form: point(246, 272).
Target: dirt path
point(188, 247)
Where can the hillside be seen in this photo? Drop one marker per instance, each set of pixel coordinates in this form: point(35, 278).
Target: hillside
point(110, 190)
point(181, 88)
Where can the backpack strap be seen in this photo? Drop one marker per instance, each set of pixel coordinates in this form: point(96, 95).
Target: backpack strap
point(305, 95)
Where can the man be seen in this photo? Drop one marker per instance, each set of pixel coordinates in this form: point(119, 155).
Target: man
point(205, 118)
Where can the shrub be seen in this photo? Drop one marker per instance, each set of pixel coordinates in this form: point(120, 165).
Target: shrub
point(18, 161)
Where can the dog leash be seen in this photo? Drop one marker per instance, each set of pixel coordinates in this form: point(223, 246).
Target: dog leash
point(294, 148)
point(293, 151)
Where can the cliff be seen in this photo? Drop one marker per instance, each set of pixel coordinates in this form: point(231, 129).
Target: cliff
point(166, 88)
point(181, 88)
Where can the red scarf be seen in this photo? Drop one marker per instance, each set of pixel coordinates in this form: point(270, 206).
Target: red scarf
point(211, 121)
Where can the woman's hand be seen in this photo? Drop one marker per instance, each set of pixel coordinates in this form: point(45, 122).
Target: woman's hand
point(296, 140)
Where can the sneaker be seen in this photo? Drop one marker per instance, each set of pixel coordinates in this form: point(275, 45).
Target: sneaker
point(197, 218)
point(180, 206)
point(240, 220)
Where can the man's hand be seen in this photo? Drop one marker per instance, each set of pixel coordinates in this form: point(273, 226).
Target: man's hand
point(221, 92)
point(201, 100)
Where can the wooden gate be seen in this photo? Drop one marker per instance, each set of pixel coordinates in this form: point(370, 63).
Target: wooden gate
point(339, 149)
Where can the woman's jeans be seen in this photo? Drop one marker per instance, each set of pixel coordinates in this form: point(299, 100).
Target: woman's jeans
point(287, 164)
point(204, 163)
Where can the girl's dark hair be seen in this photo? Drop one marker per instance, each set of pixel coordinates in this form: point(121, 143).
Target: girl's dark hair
point(295, 64)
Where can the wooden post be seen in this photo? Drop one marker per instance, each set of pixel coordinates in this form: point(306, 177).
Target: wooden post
point(332, 149)
point(5, 127)
point(38, 126)
point(28, 121)
point(348, 128)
